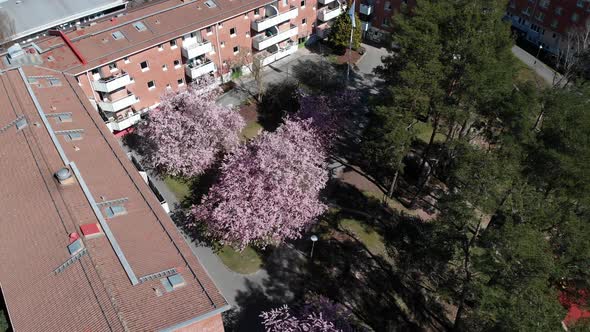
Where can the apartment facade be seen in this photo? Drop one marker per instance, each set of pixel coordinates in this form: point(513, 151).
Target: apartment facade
point(548, 22)
point(376, 17)
point(124, 64)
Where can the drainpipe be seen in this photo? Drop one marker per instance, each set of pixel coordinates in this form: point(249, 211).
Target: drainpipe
point(219, 52)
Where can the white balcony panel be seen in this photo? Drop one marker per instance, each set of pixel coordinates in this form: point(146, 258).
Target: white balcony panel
point(197, 70)
point(325, 2)
point(366, 9)
point(279, 54)
point(365, 26)
point(194, 50)
point(124, 123)
point(261, 41)
point(112, 83)
point(267, 22)
point(119, 104)
point(325, 14)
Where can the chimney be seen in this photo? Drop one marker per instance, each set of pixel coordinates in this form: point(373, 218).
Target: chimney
point(64, 176)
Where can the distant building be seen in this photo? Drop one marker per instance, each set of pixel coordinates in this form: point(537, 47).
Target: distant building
point(376, 17)
point(547, 22)
point(31, 19)
point(85, 245)
point(125, 62)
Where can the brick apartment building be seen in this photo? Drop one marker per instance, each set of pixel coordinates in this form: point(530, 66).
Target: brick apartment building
point(125, 63)
point(547, 22)
point(376, 17)
point(84, 244)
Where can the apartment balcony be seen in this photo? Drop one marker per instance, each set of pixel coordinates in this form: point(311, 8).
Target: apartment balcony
point(263, 41)
point(325, 14)
point(193, 50)
point(122, 123)
point(325, 2)
point(270, 21)
point(365, 26)
point(366, 9)
point(118, 104)
point(273, 54)
point(109, 84)
point(195, 69)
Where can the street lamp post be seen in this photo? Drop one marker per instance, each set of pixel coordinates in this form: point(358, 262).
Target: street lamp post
point(314, 239)
point(538, 52)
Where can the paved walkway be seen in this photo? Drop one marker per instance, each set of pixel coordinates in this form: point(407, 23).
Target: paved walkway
point(547, 73)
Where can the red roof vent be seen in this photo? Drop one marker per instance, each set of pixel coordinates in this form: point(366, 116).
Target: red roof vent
point(91, 230)
point(73, 237)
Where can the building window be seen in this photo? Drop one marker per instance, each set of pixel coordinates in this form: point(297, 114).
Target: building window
point(388, 5)
point(113, 66)
point(232, 32)
point(151, 85)
point(209, 30)
point(144, 66)
point(527, 11)
point(558, 10)
point(173, 44)
point(168, 86)
point(512, 4)
point(285, 3)
point(304, 21)
point(256, 12)
point(575, 17)
point(386, 22)
point(580, 3)
point(176, 63)
point(540, 16)
point(160, 47)
point(180, 82)
point(302, 3)
point(544, 3)
point(554, 24)
point(222, 44)
point(164, 67)
point(220, 25)
point(236, 49)
point(126, 60)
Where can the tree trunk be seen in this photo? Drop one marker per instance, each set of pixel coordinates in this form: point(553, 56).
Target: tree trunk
point(537, 125)
point(392, 187)
point(429, 146)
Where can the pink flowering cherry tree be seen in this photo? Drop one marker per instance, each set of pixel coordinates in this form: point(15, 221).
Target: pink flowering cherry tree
point(188, 131)
point(268, 190)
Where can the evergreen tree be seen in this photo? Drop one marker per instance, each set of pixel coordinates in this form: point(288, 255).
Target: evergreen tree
point(340, 33)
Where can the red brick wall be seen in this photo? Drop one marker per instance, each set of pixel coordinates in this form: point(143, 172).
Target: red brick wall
point(569, 7)
point(211, 324)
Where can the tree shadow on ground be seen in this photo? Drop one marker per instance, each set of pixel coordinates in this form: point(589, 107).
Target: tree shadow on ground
point(385, 293)
point(320, 76)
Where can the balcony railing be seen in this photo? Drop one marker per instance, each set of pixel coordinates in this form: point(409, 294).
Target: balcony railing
point(325, 2)
point(366, 9)
point(269, 21)
point(266, 57)
point(195, 70)
point(325, 14)
point(261, 41)
point(119, 104)
point(365, 26)
point(122, 123)
point(112, 83)
point(194, 50)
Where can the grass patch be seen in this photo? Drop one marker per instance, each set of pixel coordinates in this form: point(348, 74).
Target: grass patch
point(424, 130)
point(251, 130)
point(524, 74)
point(245, 262)
point(366, 234)
point(180, 187)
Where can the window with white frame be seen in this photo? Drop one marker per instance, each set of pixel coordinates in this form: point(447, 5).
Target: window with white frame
point(151, 85)
point(144, 66)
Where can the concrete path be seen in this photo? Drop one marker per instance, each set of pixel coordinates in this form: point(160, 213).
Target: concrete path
point(547, 73)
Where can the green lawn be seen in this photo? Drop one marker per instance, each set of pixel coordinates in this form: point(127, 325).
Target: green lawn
point(424, 130)
point(245, 262)
point(366, 234)
point(179, 187)
point(524, 73)
point(251, 130)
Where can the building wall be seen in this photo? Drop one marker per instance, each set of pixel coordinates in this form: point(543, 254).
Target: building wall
point(545, 22)
point(211, 324)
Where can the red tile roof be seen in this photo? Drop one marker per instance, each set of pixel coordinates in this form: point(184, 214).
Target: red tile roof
point(164, 21)
point(93, 293)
